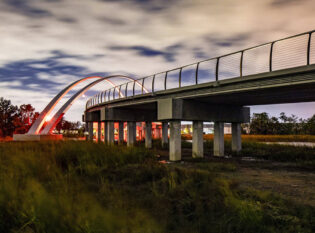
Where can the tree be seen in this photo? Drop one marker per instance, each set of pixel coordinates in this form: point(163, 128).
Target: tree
point(260, 123)
point(8, 115)
point(25, 118)
point(310, 125)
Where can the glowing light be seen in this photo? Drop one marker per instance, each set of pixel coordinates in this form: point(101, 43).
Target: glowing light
point(48, 118)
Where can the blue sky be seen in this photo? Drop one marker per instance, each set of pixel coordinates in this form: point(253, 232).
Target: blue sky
point(46, 44)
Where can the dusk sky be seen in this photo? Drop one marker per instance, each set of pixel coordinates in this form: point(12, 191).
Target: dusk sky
point(47, 44)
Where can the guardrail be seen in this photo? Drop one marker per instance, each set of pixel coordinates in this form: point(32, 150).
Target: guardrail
point(294, 51)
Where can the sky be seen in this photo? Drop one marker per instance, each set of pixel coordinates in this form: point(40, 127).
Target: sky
point(47, 44)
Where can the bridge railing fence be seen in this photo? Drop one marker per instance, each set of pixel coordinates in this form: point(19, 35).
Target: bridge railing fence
point(290, 52)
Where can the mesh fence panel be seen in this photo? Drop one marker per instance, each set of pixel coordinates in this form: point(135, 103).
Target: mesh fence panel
point(172, 79)
point(290, 53)
point(159, 82)
point(106, 96)
point(188, 75)
point(123, 89)
point(206, 71)
point(147, 84)
point(110, 94)
point(138, 87)
point(129, 89)
point(256, 60)
point(312, 49)
point(229, 66)
point(116, 95)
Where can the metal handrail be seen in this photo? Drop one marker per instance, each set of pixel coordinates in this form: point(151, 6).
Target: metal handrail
point(216, 71)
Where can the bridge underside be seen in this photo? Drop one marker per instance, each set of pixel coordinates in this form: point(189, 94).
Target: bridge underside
point(219, 102)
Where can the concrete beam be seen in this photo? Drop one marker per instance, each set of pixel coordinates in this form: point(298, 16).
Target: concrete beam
point(218, 140)
point(197, 139)
point(110, 132)
point(131, 139)
point(121, 132)
point(164, 134)
point(128, 114)
point(236, 137)
point(92, 116)
point(189, 110)
point(148, 134)
point(175, 147)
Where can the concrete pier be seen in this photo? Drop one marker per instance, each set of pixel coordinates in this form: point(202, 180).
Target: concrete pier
point(148, 134)
point(110, 132)
point(131, 133)
point(175, 141)
point(236, 137)
point(218, 140)
point(121, 132)
point(105, 132)
point(90, 130)
point(197, 139)
point(164, 134)
point(99, 131)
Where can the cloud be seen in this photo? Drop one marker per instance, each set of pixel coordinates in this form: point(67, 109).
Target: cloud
point(46, 44)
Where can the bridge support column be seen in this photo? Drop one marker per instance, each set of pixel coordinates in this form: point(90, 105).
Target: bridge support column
point(110, 132)
point(197, 139)
point(175, 141)
point(86, 131)
point(105, 132)
point(99, 131)
point(236, 137)
point(218, 140)
point(164, 134)
point(90, 130)
point(131, 132)
point(121, 132)
point(148, 134)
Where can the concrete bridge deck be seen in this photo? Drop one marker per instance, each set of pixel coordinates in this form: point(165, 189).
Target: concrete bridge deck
point(217, 89)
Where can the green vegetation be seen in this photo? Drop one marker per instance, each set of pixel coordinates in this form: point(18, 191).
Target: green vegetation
point(87, 187)
point(273, 152)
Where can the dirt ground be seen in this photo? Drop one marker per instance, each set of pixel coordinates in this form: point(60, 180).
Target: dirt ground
point(288, 180)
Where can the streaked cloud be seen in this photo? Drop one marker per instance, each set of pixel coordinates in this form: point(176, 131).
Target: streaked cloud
point(45, 44)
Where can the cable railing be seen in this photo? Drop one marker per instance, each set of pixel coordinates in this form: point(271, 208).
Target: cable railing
point(290, 52)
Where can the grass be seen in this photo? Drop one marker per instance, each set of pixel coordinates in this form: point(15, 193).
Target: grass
point(88, 187)
point(262, 138)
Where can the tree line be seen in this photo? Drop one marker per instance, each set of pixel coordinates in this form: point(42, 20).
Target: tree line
point(19, 119)
point(262, 123)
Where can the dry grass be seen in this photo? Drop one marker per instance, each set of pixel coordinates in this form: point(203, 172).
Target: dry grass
point(262, 138)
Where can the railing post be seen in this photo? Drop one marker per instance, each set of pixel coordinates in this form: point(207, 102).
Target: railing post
point(142, 86)
point(241, 64)
point(109, 94)
point(180, 77)
point(165, 80)
point(217, 70)
point(133, 89)
point(309, 48)
point(153, 80)
point(197, 69)
point(114, 92)
point(270, 56)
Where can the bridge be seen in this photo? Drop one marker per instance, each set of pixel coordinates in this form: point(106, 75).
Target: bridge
point(214, 90)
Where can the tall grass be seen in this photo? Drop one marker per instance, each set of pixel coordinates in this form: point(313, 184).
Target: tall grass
point(262, 138)
point(88, 187)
